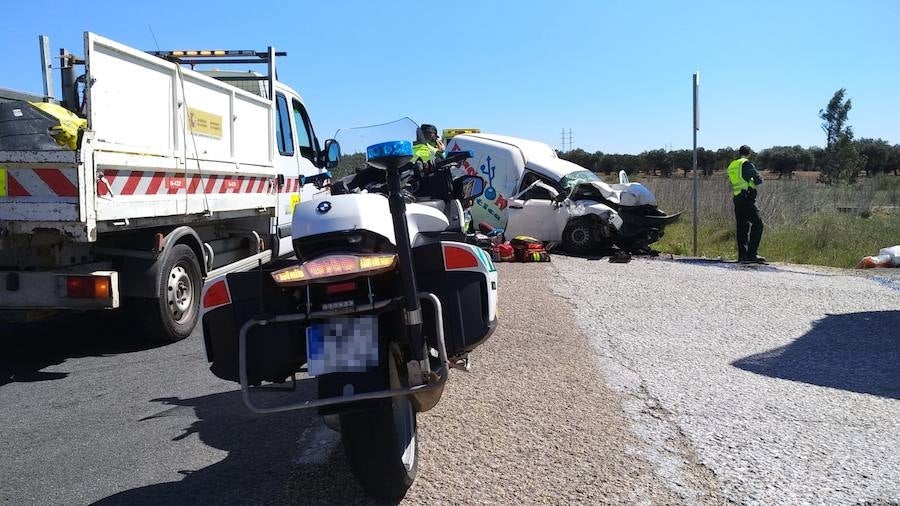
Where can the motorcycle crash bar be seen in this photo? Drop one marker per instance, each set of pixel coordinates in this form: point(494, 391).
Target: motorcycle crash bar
point(442, 373)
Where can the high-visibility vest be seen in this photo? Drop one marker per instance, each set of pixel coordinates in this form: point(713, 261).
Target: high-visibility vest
point(735, 175)
point(424, 152)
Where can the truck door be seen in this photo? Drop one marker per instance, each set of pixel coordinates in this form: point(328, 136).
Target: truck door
point(307, 146)
point(286, 166)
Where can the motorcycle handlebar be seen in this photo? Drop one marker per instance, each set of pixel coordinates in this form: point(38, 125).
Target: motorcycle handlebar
point(453, 158)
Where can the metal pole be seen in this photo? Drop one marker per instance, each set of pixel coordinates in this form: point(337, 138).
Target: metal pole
point(696, 80)
point(46, 67)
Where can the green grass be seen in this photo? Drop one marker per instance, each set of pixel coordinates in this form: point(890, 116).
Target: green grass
point(805, 222)
point(832, 239)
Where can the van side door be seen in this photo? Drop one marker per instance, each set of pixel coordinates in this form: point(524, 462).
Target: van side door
point(533, 211)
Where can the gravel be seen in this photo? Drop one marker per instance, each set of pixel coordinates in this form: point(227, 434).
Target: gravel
point(782, 381)
point(534, 422)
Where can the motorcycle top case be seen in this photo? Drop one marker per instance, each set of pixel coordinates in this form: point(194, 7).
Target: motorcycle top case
point(465, 279)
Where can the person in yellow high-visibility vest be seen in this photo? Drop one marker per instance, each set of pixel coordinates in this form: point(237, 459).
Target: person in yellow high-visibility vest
point(428, 145)
point(744, 178)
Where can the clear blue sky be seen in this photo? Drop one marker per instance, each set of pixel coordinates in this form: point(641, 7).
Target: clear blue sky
point(617, 73)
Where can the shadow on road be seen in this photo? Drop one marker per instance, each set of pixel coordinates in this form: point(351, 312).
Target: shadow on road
point(857, 352)
point(262, 465)
point(723, 264)
point(30, 347)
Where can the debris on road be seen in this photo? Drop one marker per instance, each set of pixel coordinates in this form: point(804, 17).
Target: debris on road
point(887, 257)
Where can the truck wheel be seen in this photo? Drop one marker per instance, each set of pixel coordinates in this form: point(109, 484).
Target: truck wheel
point(381, 445)
point(579, 236)
point(173, 314)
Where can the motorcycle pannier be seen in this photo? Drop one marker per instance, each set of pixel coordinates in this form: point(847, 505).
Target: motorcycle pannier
point(272, 358)
point(463, 296)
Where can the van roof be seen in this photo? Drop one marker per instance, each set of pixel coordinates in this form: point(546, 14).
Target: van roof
point(536, 155)
point(530, 149)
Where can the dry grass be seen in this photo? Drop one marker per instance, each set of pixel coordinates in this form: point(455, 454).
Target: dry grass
point(806, 222)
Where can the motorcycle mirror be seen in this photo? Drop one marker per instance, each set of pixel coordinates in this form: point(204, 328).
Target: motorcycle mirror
point(318, 180)
point(468, 187)
point(389, 155)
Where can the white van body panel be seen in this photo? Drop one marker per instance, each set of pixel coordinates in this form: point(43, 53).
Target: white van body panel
point(503, 161)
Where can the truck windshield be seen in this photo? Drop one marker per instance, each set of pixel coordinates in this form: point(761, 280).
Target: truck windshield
point(579, 176)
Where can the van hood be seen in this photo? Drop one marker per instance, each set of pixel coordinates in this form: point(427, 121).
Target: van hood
point(625, 194)
point(553, 168)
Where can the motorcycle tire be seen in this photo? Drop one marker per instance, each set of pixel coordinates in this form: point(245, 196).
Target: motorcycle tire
point(381, 445)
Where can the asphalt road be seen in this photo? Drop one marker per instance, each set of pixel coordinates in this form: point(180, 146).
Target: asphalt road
point(783, 380)
point(653, 382)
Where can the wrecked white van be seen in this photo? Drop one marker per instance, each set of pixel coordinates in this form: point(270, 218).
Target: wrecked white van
point(530, 191)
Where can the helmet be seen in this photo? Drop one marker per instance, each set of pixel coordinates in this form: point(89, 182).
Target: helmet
point(426, 129)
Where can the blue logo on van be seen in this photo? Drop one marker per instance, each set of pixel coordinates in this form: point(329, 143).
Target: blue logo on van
point(323, 207)
point(490, 193)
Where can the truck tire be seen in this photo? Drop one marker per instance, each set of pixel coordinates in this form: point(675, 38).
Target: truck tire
point(580, 236)
point(381, 445)
point(173, 315)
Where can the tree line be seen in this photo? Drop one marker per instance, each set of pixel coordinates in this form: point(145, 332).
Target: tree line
point(880, 157)
point(843, 159)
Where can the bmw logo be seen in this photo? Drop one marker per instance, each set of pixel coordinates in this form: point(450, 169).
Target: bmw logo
point(323, 207)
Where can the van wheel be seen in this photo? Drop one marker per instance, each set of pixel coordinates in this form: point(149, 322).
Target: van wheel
point(173, 315)
point(381, 444)
point(580, 236)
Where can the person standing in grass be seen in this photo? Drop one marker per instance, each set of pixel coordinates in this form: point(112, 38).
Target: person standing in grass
point(744, 179)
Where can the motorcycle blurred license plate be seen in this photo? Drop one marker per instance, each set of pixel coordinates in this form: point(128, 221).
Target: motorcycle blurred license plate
point(342, 345)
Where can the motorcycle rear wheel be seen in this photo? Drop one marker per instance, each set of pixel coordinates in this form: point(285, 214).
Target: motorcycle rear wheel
point(381, 444)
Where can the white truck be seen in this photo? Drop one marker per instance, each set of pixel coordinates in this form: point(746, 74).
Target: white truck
point(178, 176)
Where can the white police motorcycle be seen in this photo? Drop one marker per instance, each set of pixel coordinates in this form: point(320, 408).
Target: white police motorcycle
point(382, 294)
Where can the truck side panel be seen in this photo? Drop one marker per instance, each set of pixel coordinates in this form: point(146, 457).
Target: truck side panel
point(170, 141)
point(143, 104)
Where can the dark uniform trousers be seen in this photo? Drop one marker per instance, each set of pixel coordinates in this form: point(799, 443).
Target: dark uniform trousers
point(749, 224)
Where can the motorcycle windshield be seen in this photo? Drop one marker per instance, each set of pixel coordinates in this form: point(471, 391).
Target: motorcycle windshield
point(354, 141)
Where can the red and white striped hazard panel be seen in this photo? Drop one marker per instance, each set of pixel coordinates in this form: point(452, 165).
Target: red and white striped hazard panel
point(291, 185)
point(137, 182)
point(62, 183)
point(39, 182)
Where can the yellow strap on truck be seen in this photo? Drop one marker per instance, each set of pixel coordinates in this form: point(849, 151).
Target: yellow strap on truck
point(66, 134)
point(3, 181)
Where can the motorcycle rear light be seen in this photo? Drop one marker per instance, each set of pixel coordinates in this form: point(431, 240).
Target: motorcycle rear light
point(333, 268)
point(334, 288)
point(216, 295)
point(88, 287)
point(459, 258)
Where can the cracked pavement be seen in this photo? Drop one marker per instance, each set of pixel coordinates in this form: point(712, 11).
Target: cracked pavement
point(783, 383)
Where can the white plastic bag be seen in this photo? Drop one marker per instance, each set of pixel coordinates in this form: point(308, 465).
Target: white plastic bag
point(893, 253)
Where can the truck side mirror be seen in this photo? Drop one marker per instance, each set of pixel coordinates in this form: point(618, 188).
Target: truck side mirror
point(332, 153)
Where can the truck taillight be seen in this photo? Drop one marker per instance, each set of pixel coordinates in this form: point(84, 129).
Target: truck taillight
point(216, 295)
point(88, 287)
point(333, 268)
